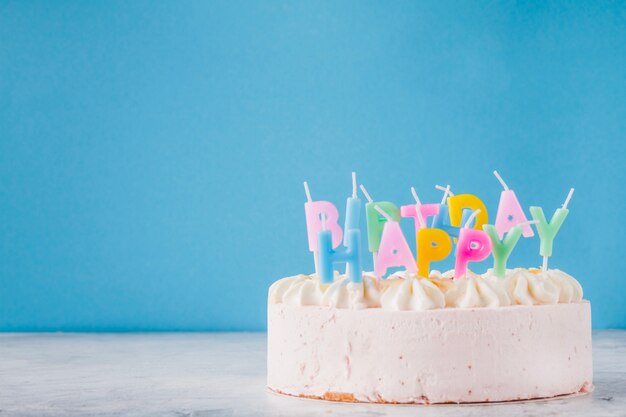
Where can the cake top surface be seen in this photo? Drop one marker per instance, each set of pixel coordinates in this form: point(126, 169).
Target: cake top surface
point(409, 291)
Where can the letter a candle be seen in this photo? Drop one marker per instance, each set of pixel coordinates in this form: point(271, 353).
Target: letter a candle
point(510, 212)
point(394, 249)
point(376, 222)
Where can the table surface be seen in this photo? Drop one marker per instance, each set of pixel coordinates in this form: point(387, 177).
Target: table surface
point(223, 374)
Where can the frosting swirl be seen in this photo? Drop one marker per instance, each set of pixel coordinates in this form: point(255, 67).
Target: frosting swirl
point(477, 291)
point(343, 293)
point(534, 286)
point(303, 290)
point(570, 290)
point(406, 291)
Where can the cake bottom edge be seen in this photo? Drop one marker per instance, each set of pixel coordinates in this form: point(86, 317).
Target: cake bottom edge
point(346, 397)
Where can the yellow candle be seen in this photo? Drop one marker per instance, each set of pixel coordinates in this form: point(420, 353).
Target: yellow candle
point(432, 245)
point(459, 202)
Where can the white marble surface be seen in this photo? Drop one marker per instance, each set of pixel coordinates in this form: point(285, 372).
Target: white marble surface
point(204, 374)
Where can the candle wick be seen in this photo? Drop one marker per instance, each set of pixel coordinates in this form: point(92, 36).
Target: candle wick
point(307, 192)
point(471, 218)
point(506, 187)
point(569, 197)
point(446, 192)
point(418, 210)
point(366, 194)
point(353, 184)
point(528, 222)
point(383, 212)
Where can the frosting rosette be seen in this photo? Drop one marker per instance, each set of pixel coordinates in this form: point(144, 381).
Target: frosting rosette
point(477, 291)
point(343, 293)
point(407, 291)
point(535, 286)
point(303, 290)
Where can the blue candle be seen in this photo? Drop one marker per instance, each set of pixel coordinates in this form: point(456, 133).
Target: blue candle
point(350, 256)
point(353, 211)
point(442, 219)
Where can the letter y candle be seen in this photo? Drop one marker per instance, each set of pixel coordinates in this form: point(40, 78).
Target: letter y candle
point(547, 231)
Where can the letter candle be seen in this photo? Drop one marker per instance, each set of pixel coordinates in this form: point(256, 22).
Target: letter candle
point(426, 210)
point(473, 245)
point(394, 249)
point(376, 223)
point(418, 208)
point(431, 244)
point(547, 231)
point(353, 214)
point(353, 211)
point(510, 212)
point(442, 219)
point(328, 257)
point(314, 211)
point(458, 206)
point(501, 249)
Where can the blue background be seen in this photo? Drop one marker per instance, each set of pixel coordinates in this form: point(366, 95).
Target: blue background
point(152, 153)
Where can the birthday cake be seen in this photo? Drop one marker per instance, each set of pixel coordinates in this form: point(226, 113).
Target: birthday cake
point(418, 335)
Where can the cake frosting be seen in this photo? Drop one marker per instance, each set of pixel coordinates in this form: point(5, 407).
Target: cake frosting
point(441, 339)
point(477, 291)
point(441, 355)
point(535, 286)
point(343, 293)
point(301, 290)
point(305, 290)
point(408, 291)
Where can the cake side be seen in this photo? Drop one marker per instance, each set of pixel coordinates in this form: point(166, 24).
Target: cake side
point(457, 355)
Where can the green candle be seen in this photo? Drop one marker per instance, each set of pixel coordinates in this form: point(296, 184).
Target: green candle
point(501, 249)
point(547, 231)
point(376, 223)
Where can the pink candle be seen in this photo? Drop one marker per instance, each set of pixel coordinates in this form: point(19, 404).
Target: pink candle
point(473, 245)
point(510, 212)
point(314, 212)
point(426, 211)
point(394, 249)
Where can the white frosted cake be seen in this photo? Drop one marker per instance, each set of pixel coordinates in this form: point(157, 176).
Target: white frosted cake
point(419, 336)
point(430, 340)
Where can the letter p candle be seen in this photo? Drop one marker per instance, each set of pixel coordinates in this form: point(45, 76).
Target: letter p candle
point(473, 245)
